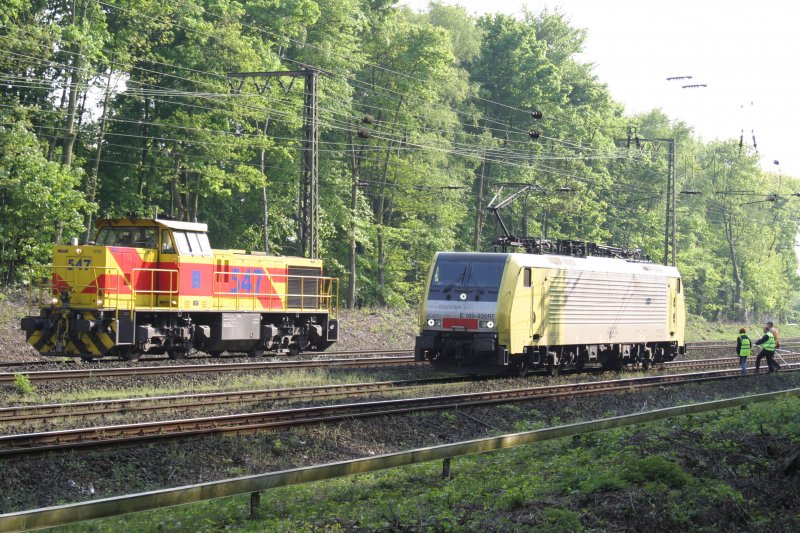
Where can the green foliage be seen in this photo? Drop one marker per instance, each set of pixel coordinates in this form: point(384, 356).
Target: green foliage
point(23, 384)
point(655, 469)
point(559, 520)
point(39, 202)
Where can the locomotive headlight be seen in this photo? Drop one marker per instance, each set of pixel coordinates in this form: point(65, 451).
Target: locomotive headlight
point(434, 322)
point(79, 251)
point(462, 296)
point(99, 302)
point(431, 322)
point(54, 301)
point(490, 324)
point(486, 324)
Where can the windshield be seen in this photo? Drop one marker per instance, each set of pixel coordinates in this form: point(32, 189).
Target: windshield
point(132, 236)
point(468, 270)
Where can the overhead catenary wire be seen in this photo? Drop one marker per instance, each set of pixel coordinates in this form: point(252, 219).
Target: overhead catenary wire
point(347, 126)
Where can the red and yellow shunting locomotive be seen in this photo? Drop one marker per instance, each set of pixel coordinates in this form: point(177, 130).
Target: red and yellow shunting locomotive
point(155, 286)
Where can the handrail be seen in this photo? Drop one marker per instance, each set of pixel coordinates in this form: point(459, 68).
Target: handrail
point(111, 292)
point(152, 292)
point(325, 296)
point(119, 505)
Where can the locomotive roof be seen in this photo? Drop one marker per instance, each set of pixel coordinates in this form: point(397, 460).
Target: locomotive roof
point(567, 262)
point(171, 224)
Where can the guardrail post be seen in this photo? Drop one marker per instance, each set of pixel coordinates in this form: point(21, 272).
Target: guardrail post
point(446, 468)
point(255, 504)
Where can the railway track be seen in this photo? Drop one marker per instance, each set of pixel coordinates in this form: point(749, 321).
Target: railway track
point(321, 356)
point(356, 360)
point(247, 423)
point(27, 413)
point(138, 370)
point(87, 409)
point(306, 356)
point(792, 342)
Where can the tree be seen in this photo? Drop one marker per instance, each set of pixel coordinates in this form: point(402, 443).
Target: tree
point(37, 199)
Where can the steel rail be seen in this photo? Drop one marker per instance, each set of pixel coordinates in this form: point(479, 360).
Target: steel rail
point(133, 371)
point(720, 362)
point(23, 413)
point(711, 345)
point(247, 423)
point(302, 357)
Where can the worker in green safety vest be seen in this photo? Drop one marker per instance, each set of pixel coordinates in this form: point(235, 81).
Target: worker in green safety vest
point(744, 348)
point(767, 343)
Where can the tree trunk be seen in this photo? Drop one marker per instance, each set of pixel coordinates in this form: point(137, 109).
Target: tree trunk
point(354, 170)
point(96, 167)
point(54, 139)
point(737, 277)
point(381, 206)
point(479, 206)
point(72, 105)
point(264, 197)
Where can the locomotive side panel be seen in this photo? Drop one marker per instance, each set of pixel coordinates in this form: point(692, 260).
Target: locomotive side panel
point(586, 307)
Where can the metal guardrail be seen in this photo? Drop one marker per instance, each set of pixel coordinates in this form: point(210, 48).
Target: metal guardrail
point(119, 505)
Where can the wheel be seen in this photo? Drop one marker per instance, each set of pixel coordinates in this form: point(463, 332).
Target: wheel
point(518, 369)
point(126, 354)
point(258, 351)
point(614, 364)
point(178, 351)
point(321, 346)
point(294, 349)
point(553, 368)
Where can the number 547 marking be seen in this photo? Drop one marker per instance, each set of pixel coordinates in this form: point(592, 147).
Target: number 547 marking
point(80, 264)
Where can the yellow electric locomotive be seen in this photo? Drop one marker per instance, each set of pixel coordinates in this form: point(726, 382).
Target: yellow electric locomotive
point(507, 312)
point(156, 286)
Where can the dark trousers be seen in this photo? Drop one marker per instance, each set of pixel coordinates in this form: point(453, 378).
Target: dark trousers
point(770, 357)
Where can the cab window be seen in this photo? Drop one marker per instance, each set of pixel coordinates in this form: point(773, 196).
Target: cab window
point(192, 243)
point(167, 246)
point(130, 236)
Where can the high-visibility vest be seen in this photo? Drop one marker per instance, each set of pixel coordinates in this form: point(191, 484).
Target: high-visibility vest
point(769, 344)
point(744, 350)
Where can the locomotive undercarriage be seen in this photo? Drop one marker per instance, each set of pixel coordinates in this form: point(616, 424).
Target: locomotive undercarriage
point(475, 353)
point(250, 333)
point(608, 356)
point(91, 334)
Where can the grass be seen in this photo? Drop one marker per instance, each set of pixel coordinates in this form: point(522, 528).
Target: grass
point(699, 329)
point(629, 479)
point(225, 382)
point(23, 385)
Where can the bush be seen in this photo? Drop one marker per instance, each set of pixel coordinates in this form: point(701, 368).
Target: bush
point(23, 384)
